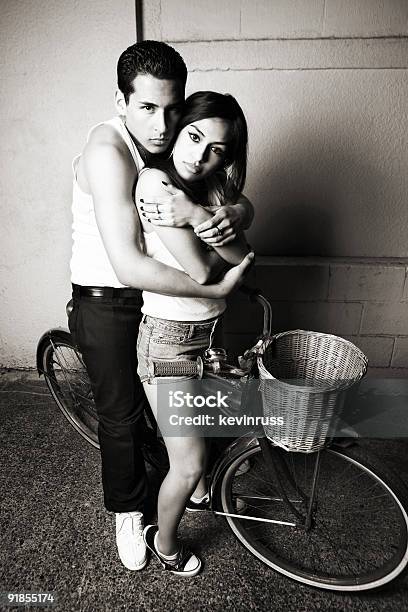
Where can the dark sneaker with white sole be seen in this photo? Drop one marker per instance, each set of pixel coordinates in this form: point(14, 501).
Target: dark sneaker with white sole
point(199, 505)
point(204, 505)
point(185, 563)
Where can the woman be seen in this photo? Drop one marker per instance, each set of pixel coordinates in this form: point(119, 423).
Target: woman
point(209, 164)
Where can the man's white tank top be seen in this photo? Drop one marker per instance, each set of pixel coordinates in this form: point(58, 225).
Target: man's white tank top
point(170, 307)
point(90, 265)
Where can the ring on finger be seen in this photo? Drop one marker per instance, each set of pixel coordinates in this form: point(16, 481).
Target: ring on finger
point(219, 231)
point(157, 209)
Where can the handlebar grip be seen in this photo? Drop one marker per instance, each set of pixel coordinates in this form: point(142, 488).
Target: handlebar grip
point(178, 368)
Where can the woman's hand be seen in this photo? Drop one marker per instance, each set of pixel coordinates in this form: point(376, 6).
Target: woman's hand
point(223, 226)
point(174, 210)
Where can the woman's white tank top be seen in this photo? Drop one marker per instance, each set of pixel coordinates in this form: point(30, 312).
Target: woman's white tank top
point(175, 308)
point(90, 265)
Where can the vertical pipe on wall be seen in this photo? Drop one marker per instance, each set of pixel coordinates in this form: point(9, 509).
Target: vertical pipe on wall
point(139, 20)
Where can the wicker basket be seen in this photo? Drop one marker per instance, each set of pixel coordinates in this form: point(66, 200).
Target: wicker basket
point(305, 377)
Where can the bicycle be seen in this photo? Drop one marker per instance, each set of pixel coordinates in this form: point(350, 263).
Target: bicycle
point(335, 518)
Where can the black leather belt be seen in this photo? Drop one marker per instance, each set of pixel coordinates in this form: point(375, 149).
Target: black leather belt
point(106, 292)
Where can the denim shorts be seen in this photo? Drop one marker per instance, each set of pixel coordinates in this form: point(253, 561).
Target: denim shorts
point(164, 340)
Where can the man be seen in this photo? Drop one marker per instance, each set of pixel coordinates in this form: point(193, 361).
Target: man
point(109, 268)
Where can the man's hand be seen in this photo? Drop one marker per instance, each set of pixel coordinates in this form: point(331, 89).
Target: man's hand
point(222, 228)
point(174, 210)
point(235, 277)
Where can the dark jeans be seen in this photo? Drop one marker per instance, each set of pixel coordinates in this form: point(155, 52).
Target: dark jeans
point(106, 330)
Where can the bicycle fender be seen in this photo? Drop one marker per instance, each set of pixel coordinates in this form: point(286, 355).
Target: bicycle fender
point(57, 333)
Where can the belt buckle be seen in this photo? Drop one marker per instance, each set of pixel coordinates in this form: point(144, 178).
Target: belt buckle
point(98, 292)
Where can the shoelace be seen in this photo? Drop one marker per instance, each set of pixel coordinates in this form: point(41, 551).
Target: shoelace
point(139, 523)
point(178, 564)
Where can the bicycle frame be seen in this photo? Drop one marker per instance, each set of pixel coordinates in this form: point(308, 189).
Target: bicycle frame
point(275, 462)
point(234, 450)
point(213, 360)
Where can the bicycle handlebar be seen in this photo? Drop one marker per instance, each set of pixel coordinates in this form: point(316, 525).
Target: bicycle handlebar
point(196, 368)
point(256, 296)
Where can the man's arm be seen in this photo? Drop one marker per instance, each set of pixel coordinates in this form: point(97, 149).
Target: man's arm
point(183, 244)
point(177, 210)
point(110, 173)
point(230, 220)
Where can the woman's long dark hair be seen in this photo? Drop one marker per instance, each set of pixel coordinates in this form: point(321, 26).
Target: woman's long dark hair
point(228, 183)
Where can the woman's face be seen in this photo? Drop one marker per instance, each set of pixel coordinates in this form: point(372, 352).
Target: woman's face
point(201, 148)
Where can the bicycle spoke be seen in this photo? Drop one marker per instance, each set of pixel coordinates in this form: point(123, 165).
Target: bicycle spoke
point(68, 381)
point(69, 384)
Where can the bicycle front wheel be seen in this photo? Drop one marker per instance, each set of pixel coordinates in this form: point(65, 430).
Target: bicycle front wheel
point(359, 534)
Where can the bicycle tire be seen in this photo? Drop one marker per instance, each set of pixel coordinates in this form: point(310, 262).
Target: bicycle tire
point(67, 379)
point(68, 382)
point(359, 539)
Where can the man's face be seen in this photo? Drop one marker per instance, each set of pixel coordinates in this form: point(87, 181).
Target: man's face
point(153, 111)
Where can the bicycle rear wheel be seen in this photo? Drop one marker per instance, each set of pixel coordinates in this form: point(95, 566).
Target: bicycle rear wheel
point(359, 534)
point(67, 379)
point(69, 384)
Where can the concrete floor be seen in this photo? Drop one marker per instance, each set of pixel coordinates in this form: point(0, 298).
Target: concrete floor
point(56, 536)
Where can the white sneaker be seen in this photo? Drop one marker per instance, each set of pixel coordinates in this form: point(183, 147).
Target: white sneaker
point(129, 539)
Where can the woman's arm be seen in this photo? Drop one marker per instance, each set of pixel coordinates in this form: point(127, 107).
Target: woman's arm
point(232, 251)
point(230, 218)
point(190, 252)
point(177, 210)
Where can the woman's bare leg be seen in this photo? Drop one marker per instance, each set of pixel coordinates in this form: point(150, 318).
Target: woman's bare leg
point(186, 457)
point(202, 487)
point(187, 462)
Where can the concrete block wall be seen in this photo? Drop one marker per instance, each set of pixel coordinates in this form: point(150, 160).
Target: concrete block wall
point(58, 75)
point(324, 87)
point(363, 301)
point(178, 20)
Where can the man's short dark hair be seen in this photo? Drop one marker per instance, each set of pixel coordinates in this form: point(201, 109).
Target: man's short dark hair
point(149, 57)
